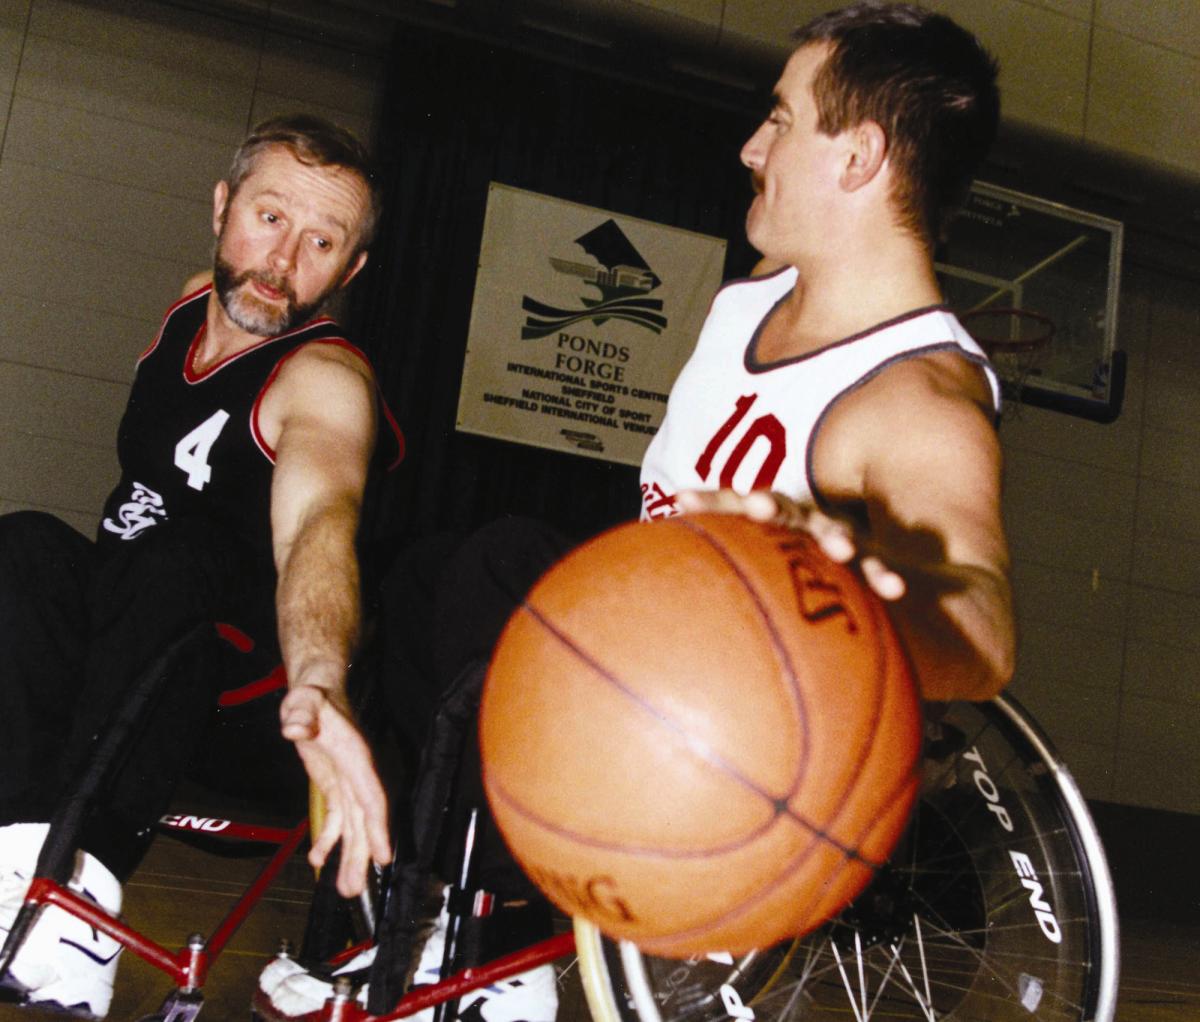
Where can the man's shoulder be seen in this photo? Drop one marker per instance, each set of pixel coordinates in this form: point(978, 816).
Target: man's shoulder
point(320, 362)
point(328, 342)
point(196, 282)
point(923, 389)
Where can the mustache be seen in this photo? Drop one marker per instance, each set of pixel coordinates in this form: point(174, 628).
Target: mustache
point(270, 279)
point(756, 182)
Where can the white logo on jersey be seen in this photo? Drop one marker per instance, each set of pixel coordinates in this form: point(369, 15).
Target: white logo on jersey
point(143, 509)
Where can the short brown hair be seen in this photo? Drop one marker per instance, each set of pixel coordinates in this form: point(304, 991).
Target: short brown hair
point(315, 142)
point(930, 85)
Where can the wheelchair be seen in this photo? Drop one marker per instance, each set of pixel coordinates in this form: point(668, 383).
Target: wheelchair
point(996, 906)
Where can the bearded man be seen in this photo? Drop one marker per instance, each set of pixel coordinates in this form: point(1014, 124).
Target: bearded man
point(245, 450)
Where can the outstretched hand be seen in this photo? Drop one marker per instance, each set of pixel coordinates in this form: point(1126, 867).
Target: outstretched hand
point(339, 763)
point(836, 538)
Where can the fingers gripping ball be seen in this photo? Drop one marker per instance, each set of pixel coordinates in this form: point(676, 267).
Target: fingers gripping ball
point(701, 734)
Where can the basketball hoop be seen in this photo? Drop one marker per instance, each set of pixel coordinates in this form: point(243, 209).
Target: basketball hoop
point(1016, 341)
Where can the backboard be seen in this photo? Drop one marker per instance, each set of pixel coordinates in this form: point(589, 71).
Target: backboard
point(1036, 283)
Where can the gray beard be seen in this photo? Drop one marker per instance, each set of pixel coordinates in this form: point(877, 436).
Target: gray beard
point(251, 315)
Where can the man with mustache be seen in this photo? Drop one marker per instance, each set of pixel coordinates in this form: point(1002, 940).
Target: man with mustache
point(245, 449)
point(833, 391)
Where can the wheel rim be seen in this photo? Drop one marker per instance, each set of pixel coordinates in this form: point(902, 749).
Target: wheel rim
point(997, 905)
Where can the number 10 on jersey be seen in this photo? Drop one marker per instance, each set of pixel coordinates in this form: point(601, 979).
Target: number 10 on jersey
point(765, 428)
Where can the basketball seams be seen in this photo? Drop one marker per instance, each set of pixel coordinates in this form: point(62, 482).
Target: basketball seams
point(701, 749)
point(691, 935)
point(905, 787)
point(845, 813)
point(906, 782)
point(783, 655)
point(497, 790)
point(882, 628)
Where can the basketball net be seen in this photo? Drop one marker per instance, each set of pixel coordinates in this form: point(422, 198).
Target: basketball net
point(1016, 342)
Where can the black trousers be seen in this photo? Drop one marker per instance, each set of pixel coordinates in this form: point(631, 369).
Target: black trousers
point(443, 605)
point(78, 623)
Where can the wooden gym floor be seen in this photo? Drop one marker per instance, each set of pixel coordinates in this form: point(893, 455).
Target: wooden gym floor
point(180, 889)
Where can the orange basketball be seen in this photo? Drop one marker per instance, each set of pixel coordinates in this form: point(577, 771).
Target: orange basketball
point(701, 734)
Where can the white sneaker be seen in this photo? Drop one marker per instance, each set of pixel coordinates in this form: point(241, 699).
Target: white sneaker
point(288, 991)
point(294, 993)
point(528, 997)
point(63, 963)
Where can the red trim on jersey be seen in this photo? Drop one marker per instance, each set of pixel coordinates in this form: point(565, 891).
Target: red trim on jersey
point(397, 432)
point(167, 315)
point(194, 377)
point(341, 342)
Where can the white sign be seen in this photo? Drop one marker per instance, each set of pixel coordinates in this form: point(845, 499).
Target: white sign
point(581, 321)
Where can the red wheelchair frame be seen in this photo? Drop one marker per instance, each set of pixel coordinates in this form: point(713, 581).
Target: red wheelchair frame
point(188, 968)
point(1051, 806)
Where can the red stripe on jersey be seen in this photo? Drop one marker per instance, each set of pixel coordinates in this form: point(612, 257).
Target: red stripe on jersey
point(167, 315)
point(341, 342)
point(397, 432)
point(193, 377)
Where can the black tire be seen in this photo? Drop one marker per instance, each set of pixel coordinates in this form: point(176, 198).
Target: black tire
point(997, 905)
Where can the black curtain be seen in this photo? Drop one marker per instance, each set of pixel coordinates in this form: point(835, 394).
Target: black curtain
point(457, 114)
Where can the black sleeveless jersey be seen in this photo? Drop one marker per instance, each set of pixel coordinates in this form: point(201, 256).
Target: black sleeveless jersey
point(189, 443)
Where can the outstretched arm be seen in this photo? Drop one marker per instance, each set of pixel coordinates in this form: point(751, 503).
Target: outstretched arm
point(321, 407)
point(919, 453)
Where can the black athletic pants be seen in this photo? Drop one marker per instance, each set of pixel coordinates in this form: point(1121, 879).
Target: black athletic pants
point(78, 623)
point(443, 606)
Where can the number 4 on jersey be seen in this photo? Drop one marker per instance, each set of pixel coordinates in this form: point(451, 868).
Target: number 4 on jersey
point(191, 453)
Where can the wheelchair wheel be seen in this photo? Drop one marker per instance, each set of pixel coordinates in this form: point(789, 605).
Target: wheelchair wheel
point(997, 905)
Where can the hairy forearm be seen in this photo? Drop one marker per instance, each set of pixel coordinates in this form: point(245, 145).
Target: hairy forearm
point(318, 600)
point(957, 627)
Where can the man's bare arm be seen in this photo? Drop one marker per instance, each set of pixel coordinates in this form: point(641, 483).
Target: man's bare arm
point(319, 417)
point(932, 492)
point(922, 456)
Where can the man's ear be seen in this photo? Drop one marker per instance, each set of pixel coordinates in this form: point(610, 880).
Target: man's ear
point(865, 155)
point(356, 264)
point(220, 202)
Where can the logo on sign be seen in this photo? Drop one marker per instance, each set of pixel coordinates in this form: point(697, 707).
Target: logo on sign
point(621, 276)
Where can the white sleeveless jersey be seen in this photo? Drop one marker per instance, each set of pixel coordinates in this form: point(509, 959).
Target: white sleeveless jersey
point(733, 422)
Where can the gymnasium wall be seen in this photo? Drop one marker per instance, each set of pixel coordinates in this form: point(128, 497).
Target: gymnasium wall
point(116, 119)
point(1104, 522)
